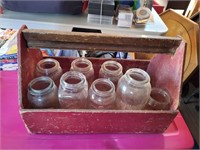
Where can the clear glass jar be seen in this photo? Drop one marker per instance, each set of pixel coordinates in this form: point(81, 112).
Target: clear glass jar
point(111, 70)
point(133, 90)
point(73, 90)
point(51, 68)
point(159, 100)
point(84, 66)
point(102, 94)
point(43, 93)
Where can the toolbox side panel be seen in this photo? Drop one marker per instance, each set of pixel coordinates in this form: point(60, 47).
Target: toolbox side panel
point(51, 122)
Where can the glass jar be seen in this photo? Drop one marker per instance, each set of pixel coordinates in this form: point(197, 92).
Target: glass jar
point(43, 93)
point(84, 66)
point(133, 90)
point(111, 70)
point(73, 90)
point(159, 100)
point(51, 68)
point(102, 94)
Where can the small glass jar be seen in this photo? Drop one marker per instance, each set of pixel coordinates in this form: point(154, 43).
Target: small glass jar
point(73, 90)
point(159, 100)
point(84, 66)
point(111, 70)
point(133, 90)
point(51, 68)
point(102, 94)
point(43, 93)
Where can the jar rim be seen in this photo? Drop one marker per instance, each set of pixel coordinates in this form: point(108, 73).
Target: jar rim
point(133, 81)
point(114, 64)
point(75, 74)
point(103, 81)
point(161, 92)
point(48, 71)
point(42, 91)
point(81, 60)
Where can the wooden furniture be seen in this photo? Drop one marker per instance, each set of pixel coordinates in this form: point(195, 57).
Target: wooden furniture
point(179, 25)
point(195, 9)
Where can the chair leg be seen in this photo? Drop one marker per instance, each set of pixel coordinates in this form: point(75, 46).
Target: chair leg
point(197, 108)
point(185, 89)
point(187, 99)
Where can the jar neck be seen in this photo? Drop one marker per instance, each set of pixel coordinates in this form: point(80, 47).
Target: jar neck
point(48, 66)
point(112, 67)
point(103, 87)
point(41, 85)
point(159, 97)
point(73, 81)
point(137, 77)
point(82, 65)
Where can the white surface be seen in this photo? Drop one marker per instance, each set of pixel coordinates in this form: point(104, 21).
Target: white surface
point(11, 19)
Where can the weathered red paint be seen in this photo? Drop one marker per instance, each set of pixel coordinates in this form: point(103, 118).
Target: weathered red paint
point(166, 72)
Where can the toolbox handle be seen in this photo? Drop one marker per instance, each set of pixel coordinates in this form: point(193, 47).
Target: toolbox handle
point(103, 42)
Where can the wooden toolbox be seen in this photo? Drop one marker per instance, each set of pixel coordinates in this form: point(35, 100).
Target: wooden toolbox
point(165, 71)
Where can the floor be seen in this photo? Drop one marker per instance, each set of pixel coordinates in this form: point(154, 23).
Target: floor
point(190, 113)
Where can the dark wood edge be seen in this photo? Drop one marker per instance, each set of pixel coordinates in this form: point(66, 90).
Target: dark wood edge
point(97, 41)
point(21, 47)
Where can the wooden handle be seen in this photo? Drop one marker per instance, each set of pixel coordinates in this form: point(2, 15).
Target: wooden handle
point(101, 42)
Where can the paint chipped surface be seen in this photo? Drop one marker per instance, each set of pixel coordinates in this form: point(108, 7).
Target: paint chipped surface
point(166, 72)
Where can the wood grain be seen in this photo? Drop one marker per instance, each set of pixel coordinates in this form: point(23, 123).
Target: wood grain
point(98, 41)
point(189, 31)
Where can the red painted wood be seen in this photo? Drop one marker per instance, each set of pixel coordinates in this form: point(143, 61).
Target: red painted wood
point(85, 121)
point(27, 60)
point(1, 9)
point(165, 71)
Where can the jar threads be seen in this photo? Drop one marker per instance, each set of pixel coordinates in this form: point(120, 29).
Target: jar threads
point(84, 66)
point(133, 90)
point(159, 100)
point(49, 67)
point(111, 70)
point(43, 93)
point(102, 94)
point(73, 90)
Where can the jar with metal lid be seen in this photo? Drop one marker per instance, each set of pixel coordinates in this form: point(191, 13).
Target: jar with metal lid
point(51, 68)
point(102, 94)
point(43, 93)
point(84, 66)
point(111, 70)
point(133, 90)
point(73, 90)
point(159, 100)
